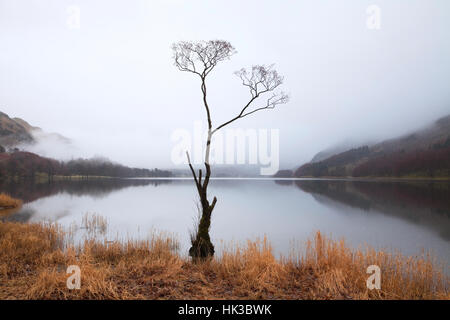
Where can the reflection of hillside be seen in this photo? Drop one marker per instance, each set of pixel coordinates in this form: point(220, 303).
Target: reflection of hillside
point(335, 190)
point(424, 203)
point(29, 191)
point(284, 182)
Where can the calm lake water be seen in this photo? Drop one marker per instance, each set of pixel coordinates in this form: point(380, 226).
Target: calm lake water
point(404, 216)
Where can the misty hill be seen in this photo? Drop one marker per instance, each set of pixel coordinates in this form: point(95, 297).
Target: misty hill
point(13, 132)
point(16, 131)
point(41, 135)
point(284, 174)
point(324, 154)
point(25, 124)
point(425, 152)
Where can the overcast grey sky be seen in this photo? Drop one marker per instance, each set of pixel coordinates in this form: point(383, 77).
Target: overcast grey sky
point(111, 85)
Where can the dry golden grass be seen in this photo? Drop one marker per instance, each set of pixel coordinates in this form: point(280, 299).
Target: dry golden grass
point(34, 258)
point(7, 202)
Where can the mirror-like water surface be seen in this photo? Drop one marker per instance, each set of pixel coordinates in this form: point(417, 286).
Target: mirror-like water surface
point(405, 216)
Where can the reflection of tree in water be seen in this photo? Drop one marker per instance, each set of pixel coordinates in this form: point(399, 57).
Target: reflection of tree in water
point(28, 190)
point(424, 203)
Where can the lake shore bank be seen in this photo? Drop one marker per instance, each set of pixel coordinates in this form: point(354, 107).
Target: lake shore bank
point(34, 259)
point(7, 202)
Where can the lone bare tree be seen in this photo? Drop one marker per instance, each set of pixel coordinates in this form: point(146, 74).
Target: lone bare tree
point(200, 58)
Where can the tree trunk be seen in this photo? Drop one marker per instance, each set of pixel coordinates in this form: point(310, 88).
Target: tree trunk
point(202, 246)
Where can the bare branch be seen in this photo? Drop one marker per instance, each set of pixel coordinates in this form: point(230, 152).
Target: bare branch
point(260, 80)
point(271, 103)
point(193, 172)
point(201, 57)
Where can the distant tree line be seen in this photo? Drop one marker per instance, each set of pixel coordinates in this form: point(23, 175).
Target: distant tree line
point(27, 165)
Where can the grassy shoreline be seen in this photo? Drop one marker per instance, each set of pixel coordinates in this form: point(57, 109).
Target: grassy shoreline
point(34, 258)
point(8, 202)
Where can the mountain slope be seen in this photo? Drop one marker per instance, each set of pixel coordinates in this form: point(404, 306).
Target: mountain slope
point(25, 124)
point(424, 152)
point(39, 134)
point(13, 132)
point(16, 131)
